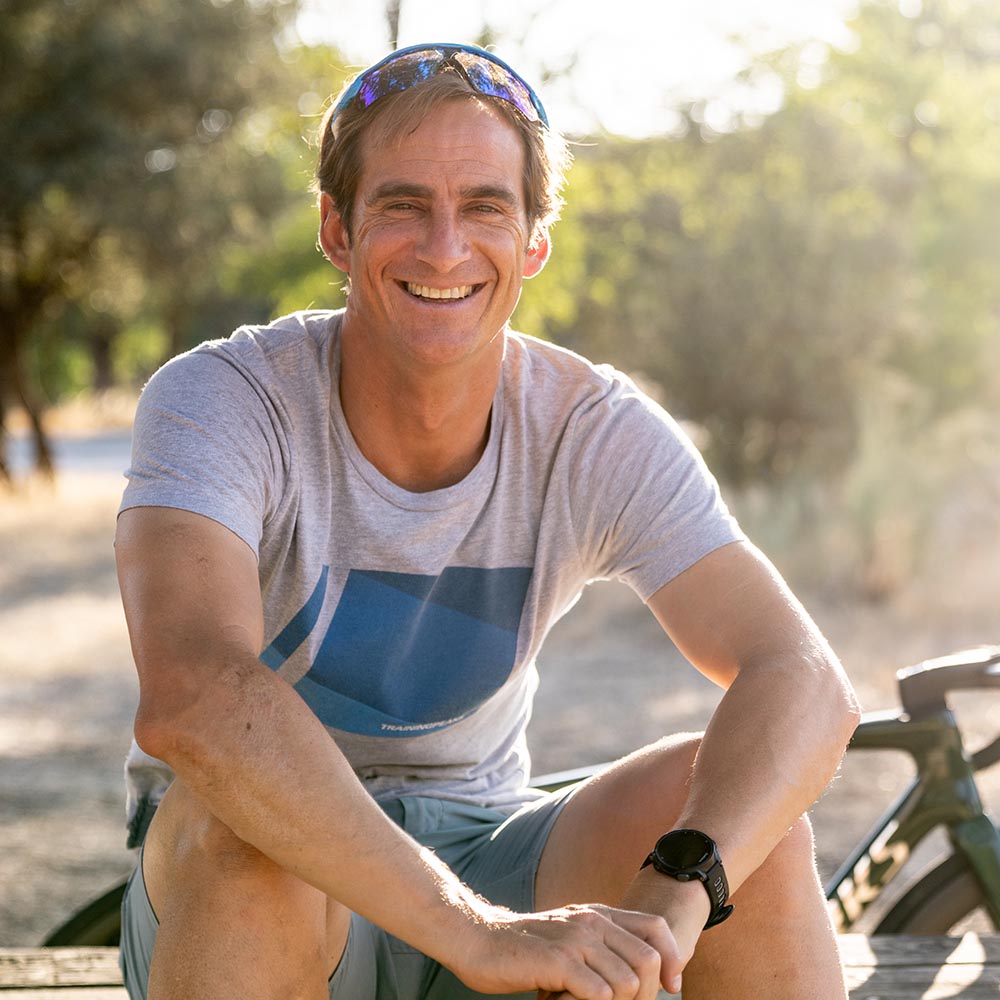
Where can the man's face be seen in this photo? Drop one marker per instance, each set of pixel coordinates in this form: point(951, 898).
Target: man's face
point(440, 239)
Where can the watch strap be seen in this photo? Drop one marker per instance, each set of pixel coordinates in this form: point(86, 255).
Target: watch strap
point(717, 886)
point(715, 882)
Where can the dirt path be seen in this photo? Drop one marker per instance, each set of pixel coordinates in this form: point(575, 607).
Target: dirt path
point(610, 681)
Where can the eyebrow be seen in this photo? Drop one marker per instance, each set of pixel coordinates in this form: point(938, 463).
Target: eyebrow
point(403, 189)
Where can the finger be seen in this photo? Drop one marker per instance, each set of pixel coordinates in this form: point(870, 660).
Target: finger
point(624, 981)
point(653, 932)
point(578, 981)
point(641, 959)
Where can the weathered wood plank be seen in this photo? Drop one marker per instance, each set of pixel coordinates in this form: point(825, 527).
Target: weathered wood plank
point(904, 983)
point(859, 950)
point(916, 968)
point(883, 968)
point(66, 993)
point(46, 967)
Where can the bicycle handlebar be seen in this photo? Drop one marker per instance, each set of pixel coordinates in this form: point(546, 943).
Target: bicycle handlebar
point(922, 688)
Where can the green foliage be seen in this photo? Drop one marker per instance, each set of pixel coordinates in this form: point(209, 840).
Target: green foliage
point(138, 352)
point(127, 167)
point(818, 289)
point(268, 262)
point(770, 277)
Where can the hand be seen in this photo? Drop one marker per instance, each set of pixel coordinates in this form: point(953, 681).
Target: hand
point(574, 953)
point(685, 907)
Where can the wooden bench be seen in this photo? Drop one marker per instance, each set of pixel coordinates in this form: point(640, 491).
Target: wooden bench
point(883, 968)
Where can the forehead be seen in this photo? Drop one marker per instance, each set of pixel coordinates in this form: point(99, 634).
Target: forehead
point(456, 140)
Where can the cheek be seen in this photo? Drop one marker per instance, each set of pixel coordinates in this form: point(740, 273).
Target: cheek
point(507, 244)
point(375, 234)
point(374, 251)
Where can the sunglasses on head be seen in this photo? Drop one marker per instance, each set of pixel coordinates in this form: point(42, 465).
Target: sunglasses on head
point(484, 72)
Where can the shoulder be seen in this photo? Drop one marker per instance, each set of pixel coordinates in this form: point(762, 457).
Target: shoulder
point(557, 382)
point(288, 336)
point(291, 346)
point(535, 364)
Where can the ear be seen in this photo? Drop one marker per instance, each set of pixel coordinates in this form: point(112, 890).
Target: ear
point(333, 236)
point(538, 253)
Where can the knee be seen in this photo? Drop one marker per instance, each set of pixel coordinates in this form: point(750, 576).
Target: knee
point(193, 836)
point(798, 847)
point(678, 751)
point(641, 796)
point(669, 762)
point(214, 843)
point(795, 852)
point(788, 878)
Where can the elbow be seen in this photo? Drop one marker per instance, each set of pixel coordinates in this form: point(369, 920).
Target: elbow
point(156, 735)
point(853, 714)
point(842, 705)
point(170, 722)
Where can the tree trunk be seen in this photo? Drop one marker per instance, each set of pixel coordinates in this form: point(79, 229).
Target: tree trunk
point(14, 386)
point(101, 338)
point(5, 476)
point(392, 18)
point(175, 319)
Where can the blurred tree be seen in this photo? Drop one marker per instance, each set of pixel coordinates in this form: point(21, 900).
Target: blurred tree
point(924, 85)
point(281, 269)
point(743, 275)
point(764, 273)
point(104, 104)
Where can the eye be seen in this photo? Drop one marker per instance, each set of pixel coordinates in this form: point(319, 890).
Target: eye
point(401, 207)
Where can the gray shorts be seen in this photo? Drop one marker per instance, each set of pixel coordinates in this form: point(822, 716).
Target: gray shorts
point(494, 854)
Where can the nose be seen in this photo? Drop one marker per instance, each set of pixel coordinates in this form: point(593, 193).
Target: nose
point(443, 244)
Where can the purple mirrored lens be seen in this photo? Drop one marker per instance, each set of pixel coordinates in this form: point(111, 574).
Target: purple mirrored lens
point(408, 67)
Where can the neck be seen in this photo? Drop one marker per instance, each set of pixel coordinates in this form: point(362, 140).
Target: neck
point(423, 430)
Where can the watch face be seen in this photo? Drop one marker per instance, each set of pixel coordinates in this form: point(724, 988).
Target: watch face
point(684, 849)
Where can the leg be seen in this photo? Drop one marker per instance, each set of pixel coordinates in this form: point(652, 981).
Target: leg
point(779, 942)
point(232, 923)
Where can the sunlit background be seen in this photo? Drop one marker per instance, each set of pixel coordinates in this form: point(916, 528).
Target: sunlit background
point(624, 67)
point(783, 218)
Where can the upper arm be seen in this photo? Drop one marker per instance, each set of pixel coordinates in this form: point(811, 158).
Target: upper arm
point(732, 609)
point(191, 595)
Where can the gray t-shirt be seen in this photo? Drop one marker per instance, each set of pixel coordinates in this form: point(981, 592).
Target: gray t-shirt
point(410, 622)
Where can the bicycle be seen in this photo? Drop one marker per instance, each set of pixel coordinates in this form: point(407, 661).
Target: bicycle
point(942, 794)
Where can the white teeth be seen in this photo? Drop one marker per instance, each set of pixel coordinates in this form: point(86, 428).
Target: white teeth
point(423, 292)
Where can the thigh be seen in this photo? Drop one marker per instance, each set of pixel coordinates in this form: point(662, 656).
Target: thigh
point(609, 826)
point(229, 920)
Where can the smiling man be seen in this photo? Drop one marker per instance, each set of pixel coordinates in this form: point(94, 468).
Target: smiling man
point(344, 539)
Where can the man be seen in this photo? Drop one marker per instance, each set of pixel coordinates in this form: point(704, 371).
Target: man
point(344, 538)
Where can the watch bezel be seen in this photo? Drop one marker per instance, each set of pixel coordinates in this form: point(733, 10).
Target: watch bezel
point(708, 869)
point(693, 869)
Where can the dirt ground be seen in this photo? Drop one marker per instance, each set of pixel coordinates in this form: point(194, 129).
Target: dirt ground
point(610, 681)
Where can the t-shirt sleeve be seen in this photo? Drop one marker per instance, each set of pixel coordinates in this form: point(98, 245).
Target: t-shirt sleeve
point(645, 506)
point(206, 440)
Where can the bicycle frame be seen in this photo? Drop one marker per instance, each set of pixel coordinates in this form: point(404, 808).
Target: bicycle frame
point(943, 793)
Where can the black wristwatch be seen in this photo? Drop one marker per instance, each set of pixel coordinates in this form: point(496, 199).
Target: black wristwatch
point(687, 855)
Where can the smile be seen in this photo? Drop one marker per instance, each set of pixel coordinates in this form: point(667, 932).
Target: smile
point(440, 294)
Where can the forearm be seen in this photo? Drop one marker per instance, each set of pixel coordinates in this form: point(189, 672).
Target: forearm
point(778, 734)
point(265, 766)
point(302, 806)
point(773, 744)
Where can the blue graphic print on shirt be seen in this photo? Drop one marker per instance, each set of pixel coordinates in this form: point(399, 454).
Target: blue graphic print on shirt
point(407, 654)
